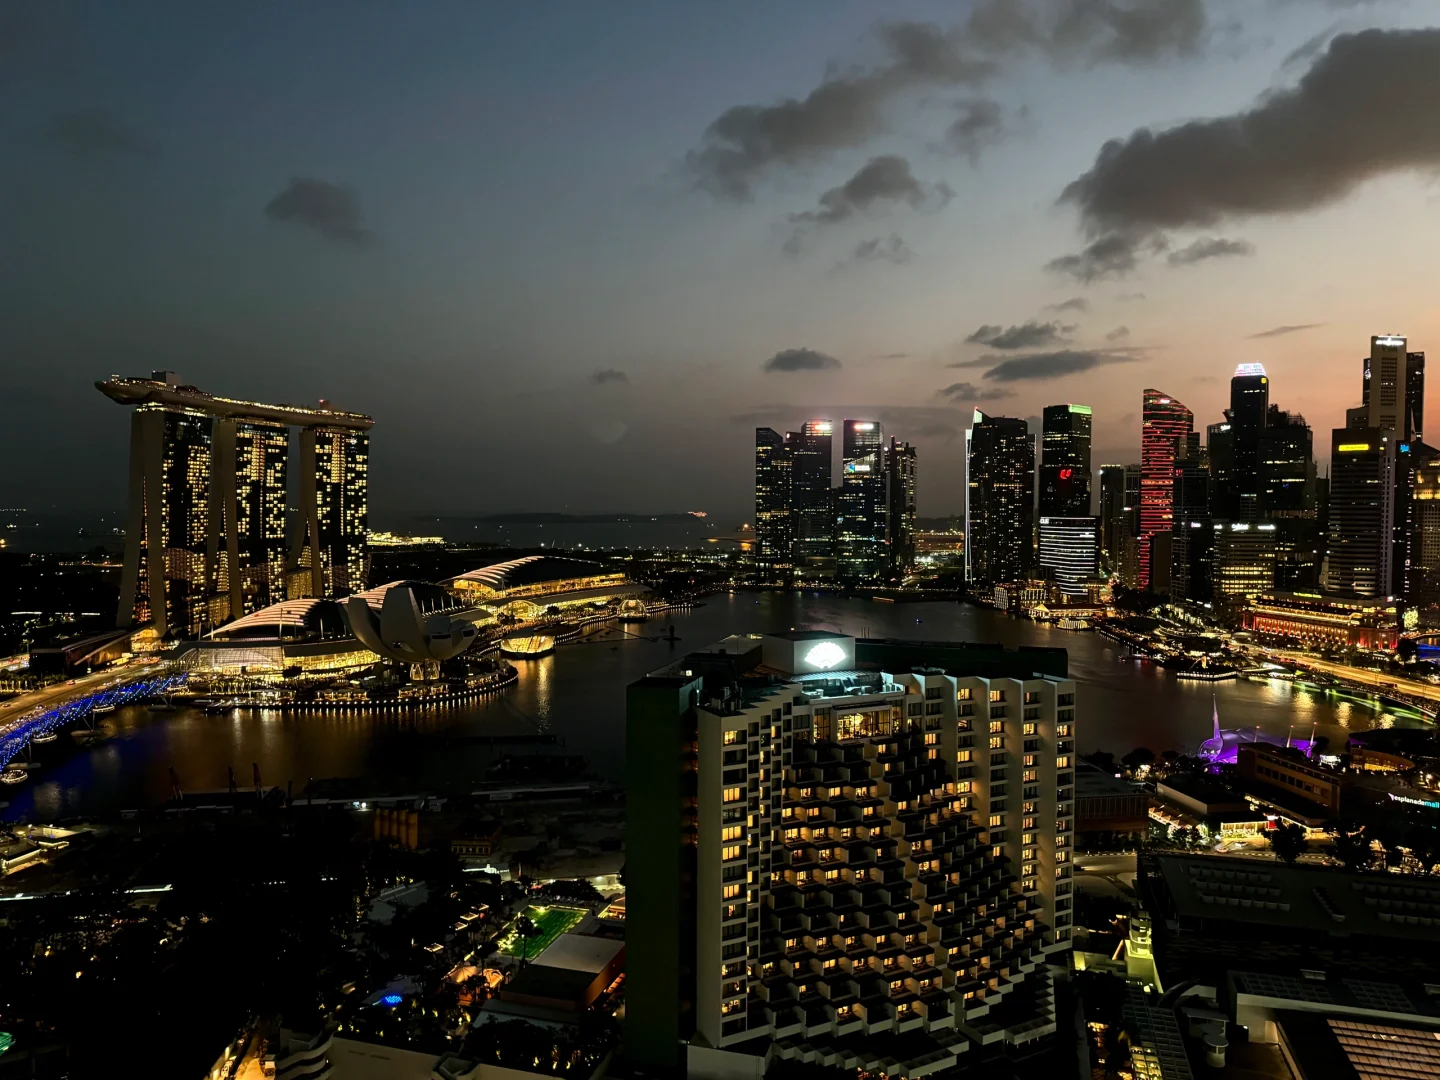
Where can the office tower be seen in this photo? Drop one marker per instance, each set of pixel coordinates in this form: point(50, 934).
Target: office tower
point(1424, 583)
point(1287, 466)
point(248, 487)
point(334, 494)
point(900, 472)
point(1070, 553)
point(812, 505)
point(861, 555)
point(846, 848)
point(1384, 397)
point(1243, 561)
point(1165, 425)
point(1190, 533)
point(1112, 513)
point(1224, 484)
point(774, 536)
point(1065, 461)
point(208, 474)
point(1359, 546)
point(1129, 566)
point(1413, 428)
point(1248, 412)
point(999, 500)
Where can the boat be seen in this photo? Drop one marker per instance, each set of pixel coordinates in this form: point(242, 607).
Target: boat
point(44, 737)
point(88, 735)
point(104, 710)
point(12, 776)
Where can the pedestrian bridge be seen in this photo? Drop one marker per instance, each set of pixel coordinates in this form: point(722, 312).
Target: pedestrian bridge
point(16, 735)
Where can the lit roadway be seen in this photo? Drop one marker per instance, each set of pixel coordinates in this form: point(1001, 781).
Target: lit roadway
point(58, 694)
point(1378, 680)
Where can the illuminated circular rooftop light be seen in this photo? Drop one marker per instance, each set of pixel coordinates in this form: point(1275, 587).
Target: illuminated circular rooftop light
point(825, 655)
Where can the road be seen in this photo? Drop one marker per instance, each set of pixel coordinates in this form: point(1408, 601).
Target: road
point(1378, 679)
point(59, 693)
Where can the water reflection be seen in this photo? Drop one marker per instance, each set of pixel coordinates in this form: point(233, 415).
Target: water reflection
point(578, 694)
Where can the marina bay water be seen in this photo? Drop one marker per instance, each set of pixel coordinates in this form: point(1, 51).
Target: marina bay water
point(577, 694)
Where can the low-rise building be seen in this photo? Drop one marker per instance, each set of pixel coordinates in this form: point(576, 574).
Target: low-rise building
point(1317, 620)
point(1285, 774)
point(1107, 809)
point(569, 975)
point(477, 838)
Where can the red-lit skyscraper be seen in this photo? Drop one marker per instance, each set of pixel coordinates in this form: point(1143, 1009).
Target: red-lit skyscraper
point(1165, 423)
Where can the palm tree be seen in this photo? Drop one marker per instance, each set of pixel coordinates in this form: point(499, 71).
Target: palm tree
point(526, 928)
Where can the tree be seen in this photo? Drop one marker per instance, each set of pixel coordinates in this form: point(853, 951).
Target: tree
point(1288, 842)
point(526, 929)
point(1140, 757)
point(1351, 846)
point(1407, 650)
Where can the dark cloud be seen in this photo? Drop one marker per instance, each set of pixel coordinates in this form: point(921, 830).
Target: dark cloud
point(609, 375)
point(1028, 335)
point(329, 209)
point(1075, 303)
point(981, 124)
point(882, 180)
point(95, 133)
point(1053, 365)
point(893, 356)
point(1210, 247)
point(800, 360)
point(891, 249)
point(1368, 106)
point(964, 393)
point(850, 105)
point(1120, 333)
point(1281, 331)
point(1112, 255)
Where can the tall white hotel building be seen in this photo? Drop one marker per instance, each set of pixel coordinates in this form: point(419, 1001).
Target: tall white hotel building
point(831, 838)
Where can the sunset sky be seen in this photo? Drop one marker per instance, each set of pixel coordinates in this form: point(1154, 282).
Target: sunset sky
point(570, 254)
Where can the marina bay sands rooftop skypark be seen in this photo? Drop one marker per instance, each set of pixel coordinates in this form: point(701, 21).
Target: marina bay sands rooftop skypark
point(162, 388)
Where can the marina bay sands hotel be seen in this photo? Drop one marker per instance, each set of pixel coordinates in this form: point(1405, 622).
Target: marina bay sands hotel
point(206, 538)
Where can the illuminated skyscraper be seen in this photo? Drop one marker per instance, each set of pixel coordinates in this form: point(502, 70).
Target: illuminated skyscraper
point(900, 520)
point(1069, 553)
point(812, 508)
point(774, 535)
point(205, 539)
point(1414, 426)
point(1165, 423)
point(1129, 558)
point(1359, 549)
point(334, 498)
point(1384, 398)
point(999, 500)
point(1065, 461)
point(1249, 409)
point(860, 548)
point(1112, 513)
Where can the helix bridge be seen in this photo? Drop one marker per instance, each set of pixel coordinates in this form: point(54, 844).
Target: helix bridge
point(42, 722)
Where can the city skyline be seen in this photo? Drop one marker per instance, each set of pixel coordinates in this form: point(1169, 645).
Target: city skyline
point(346, 228)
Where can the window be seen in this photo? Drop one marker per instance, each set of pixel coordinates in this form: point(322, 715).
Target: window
point(997, 695)
point(963, 694)
point(1030, 776)
point(996, 820)
point(733, 832)
point(732, 891)
point(997, 726)
point(1032, 696)
point(932, 693)
point(916, 708)
point(1027, 838)
point(963, 756)
point(997, 742)
point(733, 794)
point(732, 851)
point(1028, 823)
point(1062, 731)
point(1063, 761)
point(1029, 729)
point(733, 738)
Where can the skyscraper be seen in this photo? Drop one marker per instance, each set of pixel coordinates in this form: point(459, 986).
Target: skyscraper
point(999, 499)
point(1112, 513)
point(1243, 561)
point(900, 474)
point(1287, 466)
point(1248, 412)
point(838, 859)
point(1414, 425)
point(1069, 553)
point(812, 508)
point(1190, 532)
point(1165, 423)
point(1224, 484)
point(334, 479)
point(1384, 397)
point(1359, 547)
point(774, 534)
point(861, 556)
point(1129, 567)
point(1065, 461)
point(205, 538)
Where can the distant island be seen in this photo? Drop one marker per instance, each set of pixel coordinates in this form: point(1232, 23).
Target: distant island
point(581, 519)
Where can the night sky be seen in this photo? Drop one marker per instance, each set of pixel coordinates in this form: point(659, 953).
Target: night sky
point(569, 254)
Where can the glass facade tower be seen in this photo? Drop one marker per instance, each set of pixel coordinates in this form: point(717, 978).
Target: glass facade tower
point(861, 555)
point(1165, 425)
point(999, 500)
